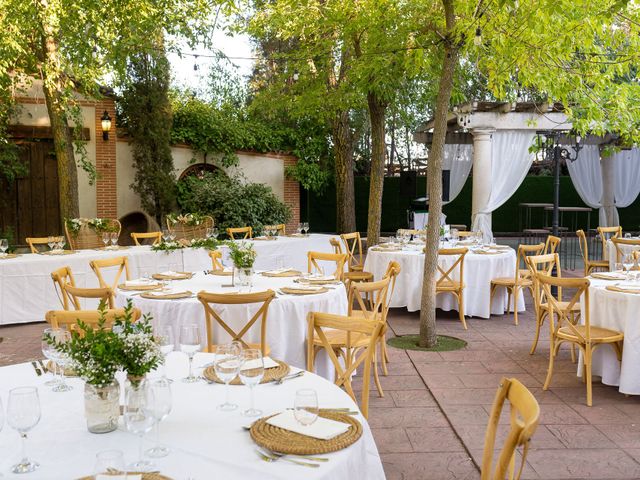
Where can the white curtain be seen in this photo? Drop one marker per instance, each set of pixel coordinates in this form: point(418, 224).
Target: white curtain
point(627, 179)
point(458, 159)
point(511, 161)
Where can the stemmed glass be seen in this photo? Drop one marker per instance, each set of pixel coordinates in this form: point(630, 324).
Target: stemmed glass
point(23, 413)
point(190, 344)
point(299, 229)
point(305, 406)
point(305, 227)
point(51, 241)
point(214, 233)
point(251, 374)
point(165, 235)
point(61, 243)
point(627, 263)
point(227, 364)
point(160, 407)
point(48, 351)
point(139, 419)
point(166, 341)
point(106, 238)
point(4, 245)
point(62, 359)
point(114, 239)
point(109, 461)
point(172, 236)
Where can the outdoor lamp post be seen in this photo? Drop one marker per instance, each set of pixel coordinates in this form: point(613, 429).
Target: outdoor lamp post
point(550, 148)
point(106, 125)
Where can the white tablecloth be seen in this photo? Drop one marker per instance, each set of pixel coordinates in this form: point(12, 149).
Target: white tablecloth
point(618, 311)
point(205, 442)
point(479, 270)
point(286, 322)
point(26, 290)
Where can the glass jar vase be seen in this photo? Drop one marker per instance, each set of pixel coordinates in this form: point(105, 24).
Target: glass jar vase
point(102, 407)
point(244, 276)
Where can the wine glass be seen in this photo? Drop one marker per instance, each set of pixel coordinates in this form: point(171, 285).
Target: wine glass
point(51, 241)
point(61, 243)
point(305, 406)
point(4, 245)
point(23, 413)
point(214, 233)
point(109, 461)
point(227, 364)
point(627, 263)
point(48, 351)
point(160, 407)
point(165, 235)
point(172, 236)
point(299, 229)
point(139, 419)
point(627, 235)
point(62, 359)
point(251, 374)
point(106, 238)
point(166, 341)
point(190, 344)
point(114, 239)
point(306, 228)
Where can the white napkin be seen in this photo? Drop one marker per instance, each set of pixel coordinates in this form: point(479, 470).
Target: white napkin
point(169, 273)
point(140, 282)
point(628, 286)
point(169, 291)
point(322, 278)
point(277, 271)
point(612, 275)
point(322, 428)
point(268, 363)
point(311, 288)
point(129, 476)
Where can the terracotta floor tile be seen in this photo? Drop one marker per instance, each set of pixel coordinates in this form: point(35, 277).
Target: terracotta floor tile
point(413, 398)
point(624, 436)
point(580, 436)
point(584, 463)
point(392, 440)
point(406, 417)
point(427, 439)
point(430, 466)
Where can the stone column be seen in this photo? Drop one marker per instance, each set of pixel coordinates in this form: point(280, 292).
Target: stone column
point(607, 164)
point(482, 151)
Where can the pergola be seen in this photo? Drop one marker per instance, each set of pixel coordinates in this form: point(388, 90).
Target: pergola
point(475, 123)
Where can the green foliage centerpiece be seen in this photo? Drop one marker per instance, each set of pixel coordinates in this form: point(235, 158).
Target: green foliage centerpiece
point(243, 257)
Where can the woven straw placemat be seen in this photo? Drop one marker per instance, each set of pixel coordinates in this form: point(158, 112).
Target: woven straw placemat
point(310, 281)
point(288, 273)
point(140, 288)
point(297, 291)
point(386, 249)
point(175, 276)
point(486, 252)
point(168, 296)
point(270, 374)
point(607, 277)
point(613, 288)
point(145, 476)
point(63, 252)
point(285, 441)
point(221, 273)
point(68, 372)
point(9, 256)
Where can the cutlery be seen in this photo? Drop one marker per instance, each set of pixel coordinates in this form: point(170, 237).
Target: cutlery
point(36, 368)
point(304, 457)
point(269, 458)
point(289, 377)
point(43, 366)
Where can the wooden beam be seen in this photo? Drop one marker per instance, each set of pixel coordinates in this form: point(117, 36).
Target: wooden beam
point(32, 131)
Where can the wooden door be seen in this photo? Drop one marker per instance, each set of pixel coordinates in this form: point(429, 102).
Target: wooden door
point(30, 205)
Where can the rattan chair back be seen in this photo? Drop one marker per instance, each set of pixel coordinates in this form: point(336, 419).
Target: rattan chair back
point(122, 264)
point(313, 265)
point(61, 277)
point(155, 237)
point(243, 232)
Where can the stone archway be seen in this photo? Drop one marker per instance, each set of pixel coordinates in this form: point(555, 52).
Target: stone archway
point(198, 169)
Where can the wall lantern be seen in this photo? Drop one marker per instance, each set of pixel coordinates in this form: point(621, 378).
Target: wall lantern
point(106, 125)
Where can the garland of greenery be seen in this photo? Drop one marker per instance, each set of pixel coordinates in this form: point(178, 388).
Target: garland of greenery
point(208, 243)
point(98, 225)
point(191, 219)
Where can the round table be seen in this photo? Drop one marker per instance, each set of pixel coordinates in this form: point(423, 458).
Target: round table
point(618, 311)
point(286, 321)
point(479, 270)
point(204, 442)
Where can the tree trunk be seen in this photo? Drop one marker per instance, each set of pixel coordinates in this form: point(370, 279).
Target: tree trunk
point(377, 110)
point(54, 87)
point(345, 192)
point(428, 335)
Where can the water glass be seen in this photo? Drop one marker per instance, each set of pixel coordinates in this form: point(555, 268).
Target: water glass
point(139, 420)
point(299, 228)
point(306, 227)
point(227, 364)
point(627, 263)
point(114, 239)
point(251, 374)
point(51, 242)
point(618, 267)
point(190, 344)
point(109, 461)
point(23, 413)
point(305, 406)
point(4, 246)
point(61, 242)
point(62, 359)
point(165, 235)
point(106, 238)
point(160, 407)
point(627, 235)
point(48, 351)
point(166, 342)
point(214, 233)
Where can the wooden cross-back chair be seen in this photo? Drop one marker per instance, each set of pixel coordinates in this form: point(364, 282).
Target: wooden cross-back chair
point(216, 260)
point(605, 234)
point(355, 352)
point(583, 335)
point(61, 277)
point(281, 228)
point(155, 237)
point(69, 319)
point(335, 244)
point(524, 416)
point(209, 299)
point(122, 263)
point(338, 258)
point(589, 265)
point(33, 243)
point(245, 232)
point(551, 244)
point(353, 247)
point(632, 245)
point(183, 231)
point(392, 272)
point(546, 265)
point(104, 294)
point(520, 281)
point(447, 284)
point(87, 237)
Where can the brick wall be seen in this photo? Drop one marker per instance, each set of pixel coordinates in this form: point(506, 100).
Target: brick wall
point(106, 194)
point(292, 195)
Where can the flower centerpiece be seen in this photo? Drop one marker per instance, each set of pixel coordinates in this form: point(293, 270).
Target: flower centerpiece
point(98, 225)
point(192, 219)
point(243, 257)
